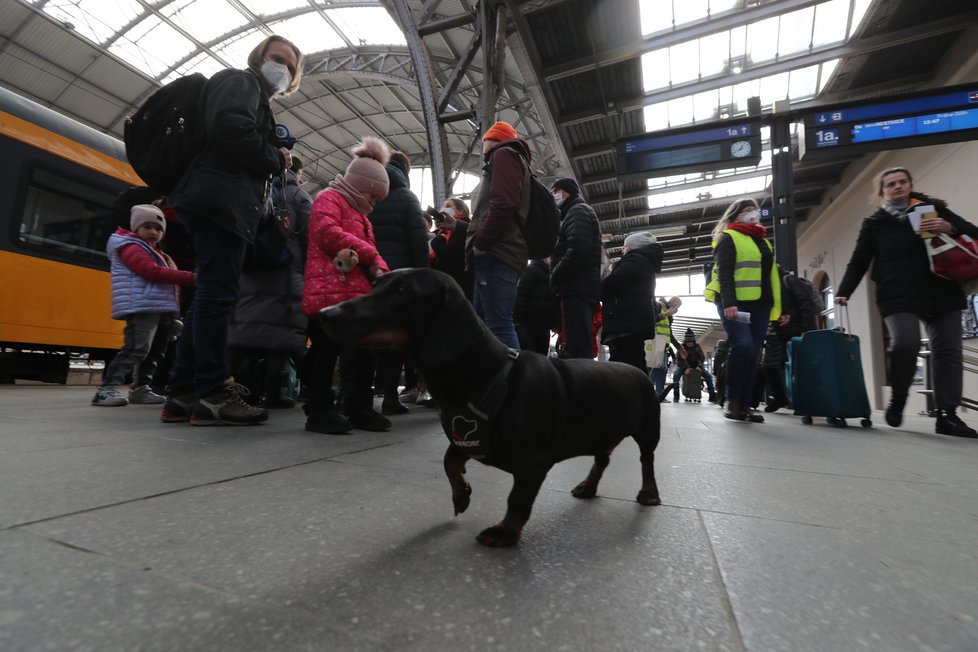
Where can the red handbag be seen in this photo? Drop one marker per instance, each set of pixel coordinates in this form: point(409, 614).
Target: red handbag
point(953, 257)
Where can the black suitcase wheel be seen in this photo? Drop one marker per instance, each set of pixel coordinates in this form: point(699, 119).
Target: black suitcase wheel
point(838, 422)
point(806, 420)
point(866, 423)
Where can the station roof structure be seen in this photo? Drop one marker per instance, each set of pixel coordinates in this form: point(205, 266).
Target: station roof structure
point(574, 76)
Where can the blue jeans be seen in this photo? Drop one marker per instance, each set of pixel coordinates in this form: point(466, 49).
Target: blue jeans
point(746, 343)
point(658, 377)
point(495, 296)
point(201, 363)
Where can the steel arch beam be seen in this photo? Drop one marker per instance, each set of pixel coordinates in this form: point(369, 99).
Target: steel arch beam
point(425, 77)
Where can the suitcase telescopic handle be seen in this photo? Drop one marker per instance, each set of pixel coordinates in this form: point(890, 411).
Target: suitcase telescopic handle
point(847, 331)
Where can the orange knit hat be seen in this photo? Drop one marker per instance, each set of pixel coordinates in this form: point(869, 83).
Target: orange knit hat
point(500, 131)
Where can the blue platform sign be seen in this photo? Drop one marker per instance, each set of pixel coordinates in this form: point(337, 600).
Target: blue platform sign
point(940, 116)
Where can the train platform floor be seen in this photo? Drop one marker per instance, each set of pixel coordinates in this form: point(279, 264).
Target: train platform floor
point(118, 532)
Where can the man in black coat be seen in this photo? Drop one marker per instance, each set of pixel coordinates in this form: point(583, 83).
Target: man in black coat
point(575, 267)
point(535, 313)
point(401, 234)
point(628, 303)
point(221, 200)
point(398, 221)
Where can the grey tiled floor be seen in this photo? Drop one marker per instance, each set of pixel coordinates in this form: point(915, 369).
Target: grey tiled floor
point(118, 532)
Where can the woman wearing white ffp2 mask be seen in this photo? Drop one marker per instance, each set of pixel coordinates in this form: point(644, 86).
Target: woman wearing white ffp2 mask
point(276, 75)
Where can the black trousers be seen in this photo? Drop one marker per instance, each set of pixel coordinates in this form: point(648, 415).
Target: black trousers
point(359, 394)
point(576, 314)
point(629, 349)
point(944, 331)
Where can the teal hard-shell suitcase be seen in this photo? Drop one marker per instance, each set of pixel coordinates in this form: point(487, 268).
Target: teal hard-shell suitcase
point(824, 377)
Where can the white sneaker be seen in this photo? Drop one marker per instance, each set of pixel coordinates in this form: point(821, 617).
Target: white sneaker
point(143, 395)
point(109, 396)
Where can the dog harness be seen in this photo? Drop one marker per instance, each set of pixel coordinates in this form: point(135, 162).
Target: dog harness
point(470, 429)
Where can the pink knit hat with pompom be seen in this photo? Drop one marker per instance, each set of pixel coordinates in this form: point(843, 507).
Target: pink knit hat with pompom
point(366, 172)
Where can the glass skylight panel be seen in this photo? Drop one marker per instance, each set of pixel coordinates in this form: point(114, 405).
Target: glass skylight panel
point(684, 62)
point(803, 82)
point(826, 73)
point(152, 46)
point(773, 88)
point(655, 69)
point(733, 188)
point(272, 7)
point(762, 40)
point(705, 106)
point(687, 11)
point(236, 50)
point(831, 19)
point(859, 8)
point(309, 32)
point(203, 63)
point(795, 31)
point(714, 52)
point(368, 25)
point(204, 19)
point(96, 20)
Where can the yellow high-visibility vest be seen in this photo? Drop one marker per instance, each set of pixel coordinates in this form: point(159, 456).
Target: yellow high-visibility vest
point(662, 326)
point(747, 273)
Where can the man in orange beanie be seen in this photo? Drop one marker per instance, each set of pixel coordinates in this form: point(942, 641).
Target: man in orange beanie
point(494, 244)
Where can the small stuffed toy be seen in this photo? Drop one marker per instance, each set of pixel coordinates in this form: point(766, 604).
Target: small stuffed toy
point(346, 260)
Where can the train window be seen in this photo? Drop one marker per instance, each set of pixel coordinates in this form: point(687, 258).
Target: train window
point(66, 215)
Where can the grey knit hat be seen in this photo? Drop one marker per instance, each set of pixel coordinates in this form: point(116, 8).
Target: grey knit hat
point(641, 239)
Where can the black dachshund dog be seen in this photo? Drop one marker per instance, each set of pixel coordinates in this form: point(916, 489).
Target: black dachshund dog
point(521, 413)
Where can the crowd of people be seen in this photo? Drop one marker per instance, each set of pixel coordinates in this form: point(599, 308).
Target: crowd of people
point(268, 257)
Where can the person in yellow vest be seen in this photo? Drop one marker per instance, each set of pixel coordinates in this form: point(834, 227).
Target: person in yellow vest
point(746, 288)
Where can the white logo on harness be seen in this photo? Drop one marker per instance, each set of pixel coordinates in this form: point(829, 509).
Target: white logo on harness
point(462, 429)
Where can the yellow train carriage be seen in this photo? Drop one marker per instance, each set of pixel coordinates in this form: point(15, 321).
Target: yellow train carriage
point(56, 213)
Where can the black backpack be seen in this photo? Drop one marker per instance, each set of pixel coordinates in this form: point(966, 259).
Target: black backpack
point(542, 221)
point(165, 135)
point(542, 224)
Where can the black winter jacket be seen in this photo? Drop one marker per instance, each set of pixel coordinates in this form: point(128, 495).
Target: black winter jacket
point(796, 301)
point(399, 226)
point(900, 266)
point(449, 256)
point(268, 314)
point(627, 294)
point(536, 305)
point(575, 266)
point(229, 182)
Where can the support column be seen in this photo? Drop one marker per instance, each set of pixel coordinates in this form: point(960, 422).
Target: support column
point(783, 195)
point(437, 140)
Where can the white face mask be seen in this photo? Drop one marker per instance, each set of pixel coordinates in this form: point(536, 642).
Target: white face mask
point(449, 211)
point(277, 75)
point(753, 217)
point(559, 198)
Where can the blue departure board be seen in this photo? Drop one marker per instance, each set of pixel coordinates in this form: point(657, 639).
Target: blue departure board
point(940, 116)
point(711, 146)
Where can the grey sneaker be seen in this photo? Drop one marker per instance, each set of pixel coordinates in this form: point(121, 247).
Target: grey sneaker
point(109, 396)
point(143, 395)
point(226, 408)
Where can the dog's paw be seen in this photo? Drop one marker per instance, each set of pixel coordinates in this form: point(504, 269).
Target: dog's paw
point(584, 490)
point(648, 498)
point(461, 501)
point(498, 537)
